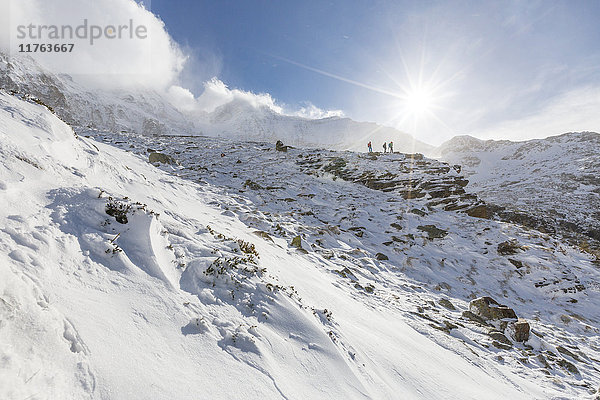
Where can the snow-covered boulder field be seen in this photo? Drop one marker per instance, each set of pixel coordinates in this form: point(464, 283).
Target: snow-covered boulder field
point(121, 280)
point(555, 180)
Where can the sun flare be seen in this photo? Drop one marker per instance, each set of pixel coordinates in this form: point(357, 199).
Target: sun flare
point(419, 101)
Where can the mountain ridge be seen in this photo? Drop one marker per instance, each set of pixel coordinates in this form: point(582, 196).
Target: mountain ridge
point(469, 142)
point(149, 112)
point(555, 179)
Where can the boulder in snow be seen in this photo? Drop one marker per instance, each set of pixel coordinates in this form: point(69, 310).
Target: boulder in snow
point(297, 242)
point(479, 211)
point(160, 158)
point(519, 330)
point(489, 309)
point(279, 146)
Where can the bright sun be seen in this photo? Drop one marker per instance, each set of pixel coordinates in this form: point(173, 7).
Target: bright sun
point(419, 101)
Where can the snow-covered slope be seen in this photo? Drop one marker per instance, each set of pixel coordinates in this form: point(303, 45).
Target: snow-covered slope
point(94, 308)
point(136, 110)
point(263, 274)
point(557, 179)
point(249, 272)
point(149, 112)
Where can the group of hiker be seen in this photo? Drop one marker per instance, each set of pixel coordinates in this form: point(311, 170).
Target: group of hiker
point(386, 147)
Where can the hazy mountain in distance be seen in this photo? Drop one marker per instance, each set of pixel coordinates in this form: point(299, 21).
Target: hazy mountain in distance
point(240, 120)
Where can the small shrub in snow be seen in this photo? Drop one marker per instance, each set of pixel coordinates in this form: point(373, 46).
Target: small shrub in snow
point(324, 314)
point(248, 248)
point(121, 208)
point(510, 247)
point(118, 209)
point(245, 247)
point(28, 161)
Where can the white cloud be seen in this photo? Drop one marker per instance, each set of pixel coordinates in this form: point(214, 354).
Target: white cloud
point(155, 62)
point(149, 57)
point(313, 112)
point(216, 93)
point(576, 110)
point(181, 98)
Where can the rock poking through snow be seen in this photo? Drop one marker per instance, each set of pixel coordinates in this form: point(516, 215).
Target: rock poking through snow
point(279, 146)
point(160, 158)
point(519, 330)
point(433, 232)
point(489, 309)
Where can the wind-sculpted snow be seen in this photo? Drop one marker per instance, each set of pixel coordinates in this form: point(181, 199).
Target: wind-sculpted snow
point(244, 272)
point(394, 230)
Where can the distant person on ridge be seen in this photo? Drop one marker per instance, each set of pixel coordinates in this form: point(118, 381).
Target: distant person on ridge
point(391, 146)
point(370, 147)
point(384, 148)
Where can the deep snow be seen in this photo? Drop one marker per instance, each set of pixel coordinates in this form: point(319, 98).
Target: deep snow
point(201, 295)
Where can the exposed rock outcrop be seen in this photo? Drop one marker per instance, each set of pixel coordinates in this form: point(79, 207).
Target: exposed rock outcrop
point(519, 330)
point(279, 146)
point(502, 317)
point(479, 211)
point(489, 309)
point(433, 231)
point(447, 304)
point(160, 158)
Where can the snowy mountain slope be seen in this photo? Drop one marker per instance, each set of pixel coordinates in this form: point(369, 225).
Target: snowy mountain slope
point(186, 292)
point(148, 112)
point(555, 179)
point(97, 309)
point(137, 110)
point(407, 254)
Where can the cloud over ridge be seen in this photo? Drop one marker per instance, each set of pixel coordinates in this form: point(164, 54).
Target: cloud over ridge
point(154, 63)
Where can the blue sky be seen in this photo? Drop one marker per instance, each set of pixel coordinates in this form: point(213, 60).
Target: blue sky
point(490, 69)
